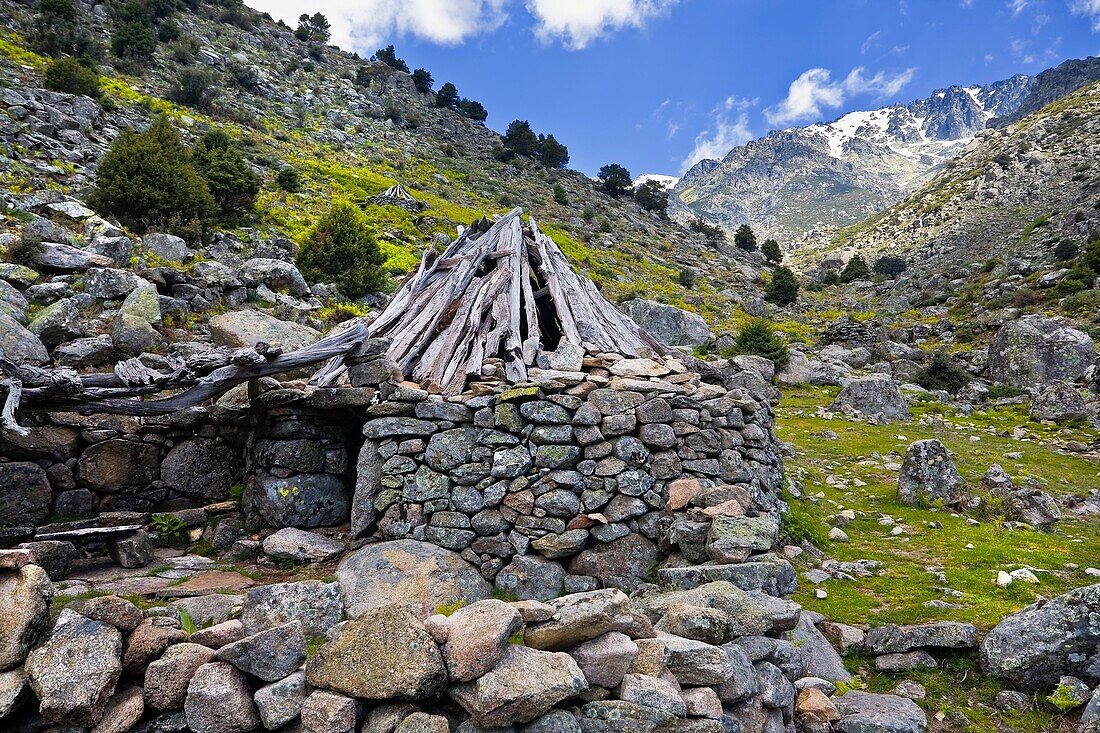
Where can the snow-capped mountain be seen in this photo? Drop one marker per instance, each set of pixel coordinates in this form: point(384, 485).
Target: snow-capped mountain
point(793, 181)
point(667, 181)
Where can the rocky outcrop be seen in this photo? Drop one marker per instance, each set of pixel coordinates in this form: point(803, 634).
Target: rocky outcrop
point(877, 396)
point(1033, 648)
point(1034, 350)
point(668, 324)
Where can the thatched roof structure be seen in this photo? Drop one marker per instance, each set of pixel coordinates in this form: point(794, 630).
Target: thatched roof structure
point(507, 292)
point(396, 195)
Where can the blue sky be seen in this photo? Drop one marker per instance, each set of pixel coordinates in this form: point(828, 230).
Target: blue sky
point(656, 84)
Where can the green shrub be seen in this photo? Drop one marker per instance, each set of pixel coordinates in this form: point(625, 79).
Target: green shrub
point(72, 77)
point(760, 339)
point(832, 277)
point(1065, 250)
point(229, 178)
point(341, 248)
point(56, 29)
point(783, 289)
point(135, 40)
point(560, 196)
point(25, 250)
point(687, 277)
point(942, 373)
point(148, 181)
point(195, 87)
point(856, 269)
point(890, 266)
point(652, 196)
point(288, 179)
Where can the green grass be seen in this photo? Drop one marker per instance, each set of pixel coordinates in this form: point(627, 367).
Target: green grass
point(904, 584)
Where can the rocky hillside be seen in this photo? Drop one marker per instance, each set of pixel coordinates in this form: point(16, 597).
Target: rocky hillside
point(793, 181)
point(351, 129)
point(1015, 193)
point(1052, 85)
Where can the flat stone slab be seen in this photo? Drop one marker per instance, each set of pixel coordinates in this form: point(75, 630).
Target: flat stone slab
point(90, 533)
point(774, 578)
point(205, 582)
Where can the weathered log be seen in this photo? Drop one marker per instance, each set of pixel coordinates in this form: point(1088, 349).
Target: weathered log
point(115, 393)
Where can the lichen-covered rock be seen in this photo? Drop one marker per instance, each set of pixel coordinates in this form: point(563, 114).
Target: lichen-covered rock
point(928, 474)
point(1059, 402)
point(20, 345)
point(245, 328)
point(668, 324)
point(622, 563)
point(418, 575)
point(866, 712)
point(384, 653)
point(1036, 350)
point(281, 702)
point(74, 673)
point(269, 655)
point(873, 396)
point(302, 500)
point(477, 636)
point(579, 617)
point(524, 685)
point(26, 496)
point(114, 464)
point(25, 596)
point(219, 700)
point(298, 545)
point(891, 638)
point(605, 659)
point(1037, 645)
point(315, 604)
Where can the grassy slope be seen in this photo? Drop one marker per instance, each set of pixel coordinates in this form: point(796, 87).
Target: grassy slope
point(871, 454)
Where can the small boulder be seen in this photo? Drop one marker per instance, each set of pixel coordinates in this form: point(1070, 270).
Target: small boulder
point(269, 655)
point(928, 474)
point(477, 636)
point(1058, 402)
point(866, 712)
point(300, 546)
point(874, 396)
point(219, 700)
point(167, 678)
point(25, 596)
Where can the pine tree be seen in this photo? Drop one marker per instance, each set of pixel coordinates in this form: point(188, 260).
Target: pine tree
point(652, 196)
point(149, 182)
point(520, 139)
point(447, 96)
point(760, 339)
point(422, 79)
point(552, 154)
point(341, 248)
point(615, 178)
point(890, 266)
point(770, 250)
point(745, 238)
point(856, 269)
point(230, 179)
point(388, 56)
point(471, 110)
point(783, 289)
point(314, 28)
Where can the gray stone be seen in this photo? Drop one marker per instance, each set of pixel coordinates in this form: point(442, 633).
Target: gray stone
point(275, 274)
point(316, 605)
point(58, 322)
point(578, 618)
point(928, 475)
point(327, 712)
point(219, 700)
point(19, 344)
point(281, 702)
point(85, 352)
point(695, 662)
point(668, 324)
point(167, 246)
point(891, 638)
point(621, 563)
point(1035, 350)
point(653, 692)
point(123, 711)
point(874, 396)
point(417, 575)
point(245, 328)
point(1037, 645)
point(25, 596)
point(202, 468)
point(905, 661)
point(529, 577)
point(605, 659)
point(477, 636)
point(819, 657)
point(1059, 402)
point(866, 712)
point(269, 655)
point(26, 496)
point(133, 551)
point(75, 672)
point(524, 685)
point(109, 283)
point(301, 546)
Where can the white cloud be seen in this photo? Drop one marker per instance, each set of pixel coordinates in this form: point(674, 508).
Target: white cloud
point(1018, 6)
point(363, 25)
point(580, 22)
point(1088, 8)
point(871, 42)
point(815, 90)
point(730, 128)
point(806, 96)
